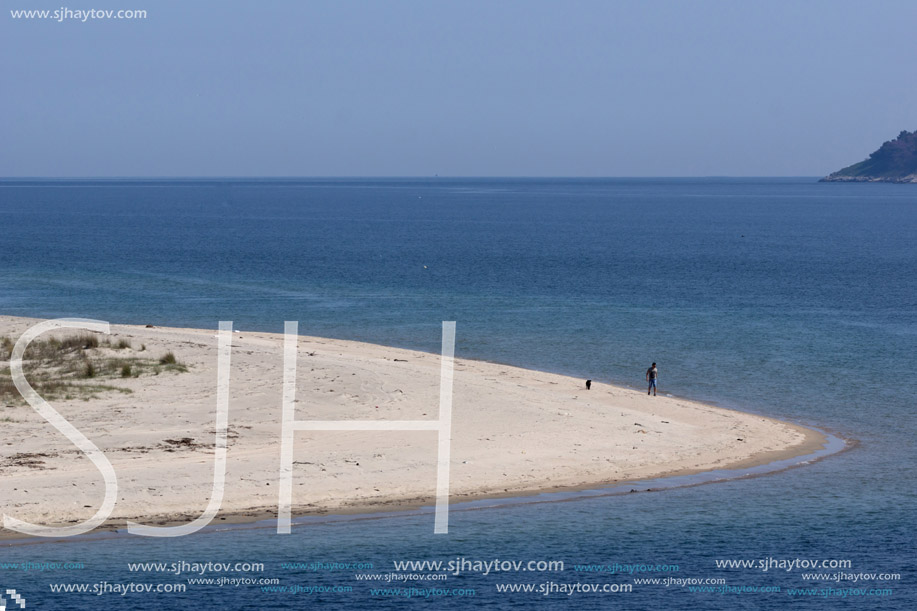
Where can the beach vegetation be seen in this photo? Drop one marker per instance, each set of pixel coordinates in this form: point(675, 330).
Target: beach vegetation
point(76, 367)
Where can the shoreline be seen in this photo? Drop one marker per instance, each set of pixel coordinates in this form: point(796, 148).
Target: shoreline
point(527, 420)
point(267, 518)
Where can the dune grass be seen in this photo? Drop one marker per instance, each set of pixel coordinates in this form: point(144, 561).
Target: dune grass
point(77, 366)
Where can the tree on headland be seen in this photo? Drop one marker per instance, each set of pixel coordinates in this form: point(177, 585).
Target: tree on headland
point(894, 161)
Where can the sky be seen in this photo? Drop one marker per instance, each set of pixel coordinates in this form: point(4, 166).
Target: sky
point(454, 88)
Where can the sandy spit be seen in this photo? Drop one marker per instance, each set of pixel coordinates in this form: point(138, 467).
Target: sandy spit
point(514, 431)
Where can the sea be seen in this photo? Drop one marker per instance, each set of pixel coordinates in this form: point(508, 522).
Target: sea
point(784, 297)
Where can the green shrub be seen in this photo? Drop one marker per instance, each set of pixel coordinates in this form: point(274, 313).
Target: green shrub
point(168, 358)
point(126, 371)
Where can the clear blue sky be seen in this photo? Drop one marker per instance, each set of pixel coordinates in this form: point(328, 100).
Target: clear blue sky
point(464, 88)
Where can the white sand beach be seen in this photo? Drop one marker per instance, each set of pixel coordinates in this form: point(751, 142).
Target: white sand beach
point(515, 431)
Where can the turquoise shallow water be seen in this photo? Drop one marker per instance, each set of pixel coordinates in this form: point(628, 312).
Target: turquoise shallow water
point(785, 297)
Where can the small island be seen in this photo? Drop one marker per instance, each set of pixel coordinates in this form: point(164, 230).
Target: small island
point(895, 161)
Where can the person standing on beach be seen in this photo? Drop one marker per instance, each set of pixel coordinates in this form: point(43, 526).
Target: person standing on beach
point(651, 374)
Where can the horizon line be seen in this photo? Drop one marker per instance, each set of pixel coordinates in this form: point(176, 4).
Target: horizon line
point(400, 177)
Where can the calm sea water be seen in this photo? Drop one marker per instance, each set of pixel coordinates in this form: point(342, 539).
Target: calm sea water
point(785, 297)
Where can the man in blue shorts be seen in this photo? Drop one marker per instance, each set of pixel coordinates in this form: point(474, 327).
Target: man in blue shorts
point(651, 374)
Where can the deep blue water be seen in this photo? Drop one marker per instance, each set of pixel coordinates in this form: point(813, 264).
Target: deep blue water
point(781, 296)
